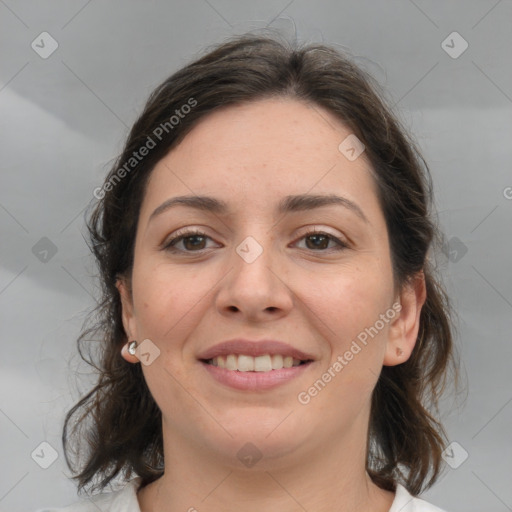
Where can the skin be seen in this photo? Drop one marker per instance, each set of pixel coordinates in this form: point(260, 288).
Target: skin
point(317, 299)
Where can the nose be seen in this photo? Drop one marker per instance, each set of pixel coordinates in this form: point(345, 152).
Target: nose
point(256, 286)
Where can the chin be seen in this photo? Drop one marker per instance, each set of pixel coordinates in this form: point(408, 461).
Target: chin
point(260, 434)
point(248, 452)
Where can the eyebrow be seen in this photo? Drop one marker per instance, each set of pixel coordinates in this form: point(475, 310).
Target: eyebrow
point(292, 203)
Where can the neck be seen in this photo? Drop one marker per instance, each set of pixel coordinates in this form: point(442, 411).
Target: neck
point(332, 479)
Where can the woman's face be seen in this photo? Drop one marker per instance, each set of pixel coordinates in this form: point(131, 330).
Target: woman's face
point(259, 273)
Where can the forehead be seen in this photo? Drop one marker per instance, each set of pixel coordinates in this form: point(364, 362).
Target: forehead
point(256, 153)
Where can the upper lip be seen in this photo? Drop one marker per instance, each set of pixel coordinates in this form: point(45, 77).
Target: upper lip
point(254, 349)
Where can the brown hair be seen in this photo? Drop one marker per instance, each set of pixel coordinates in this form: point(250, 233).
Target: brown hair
point(120, 422)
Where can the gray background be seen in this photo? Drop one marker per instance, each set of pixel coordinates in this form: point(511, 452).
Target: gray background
point(63, 119)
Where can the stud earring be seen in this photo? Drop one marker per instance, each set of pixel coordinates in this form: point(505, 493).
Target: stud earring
point(132, 347)
point(399, 351)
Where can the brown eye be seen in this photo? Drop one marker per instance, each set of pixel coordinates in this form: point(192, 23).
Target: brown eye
point(193, 241)
point(319, 241)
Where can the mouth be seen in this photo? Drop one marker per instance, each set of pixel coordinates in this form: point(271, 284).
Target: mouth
point(252, 365)
point(246, 363)
point(254, 374)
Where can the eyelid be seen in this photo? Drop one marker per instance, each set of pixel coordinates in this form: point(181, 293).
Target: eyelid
point(342, 242)
point(308, 230)
point(184, 233)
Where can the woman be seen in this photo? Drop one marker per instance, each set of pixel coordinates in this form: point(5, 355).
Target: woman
point(270, 318)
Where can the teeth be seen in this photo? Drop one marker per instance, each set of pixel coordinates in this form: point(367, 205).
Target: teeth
point(246, 363)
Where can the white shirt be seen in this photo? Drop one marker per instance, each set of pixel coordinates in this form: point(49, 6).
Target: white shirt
point(125, 500)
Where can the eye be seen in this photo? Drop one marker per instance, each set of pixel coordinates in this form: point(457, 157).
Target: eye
point(320, 241)
point(194, 241)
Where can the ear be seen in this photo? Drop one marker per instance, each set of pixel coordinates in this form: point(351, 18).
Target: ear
point(403, 330)
point(128, 317)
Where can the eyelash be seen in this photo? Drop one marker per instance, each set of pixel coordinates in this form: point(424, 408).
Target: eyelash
point(180, 235)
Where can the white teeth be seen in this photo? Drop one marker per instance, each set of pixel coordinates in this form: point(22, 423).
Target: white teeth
point(231, 362)
point(277, 362)
point(246, 363)
point(262, 363)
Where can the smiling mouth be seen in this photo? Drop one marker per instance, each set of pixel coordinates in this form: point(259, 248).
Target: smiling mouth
point(246, 363)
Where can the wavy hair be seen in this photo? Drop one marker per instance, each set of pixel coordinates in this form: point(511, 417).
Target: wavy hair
point(117, 424)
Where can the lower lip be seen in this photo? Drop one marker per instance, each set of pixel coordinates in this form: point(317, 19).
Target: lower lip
point(253, 381)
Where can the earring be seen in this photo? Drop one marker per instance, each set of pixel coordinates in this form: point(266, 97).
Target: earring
point(132, 347)
point(399, 351)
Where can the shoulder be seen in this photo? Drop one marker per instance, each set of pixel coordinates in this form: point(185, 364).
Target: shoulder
point(123, 500)
point(405, 502)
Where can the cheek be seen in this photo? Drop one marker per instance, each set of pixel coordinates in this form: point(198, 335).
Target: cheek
point(357, 335)
point(352, 309)
point(167, 299)
point(350, 300)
